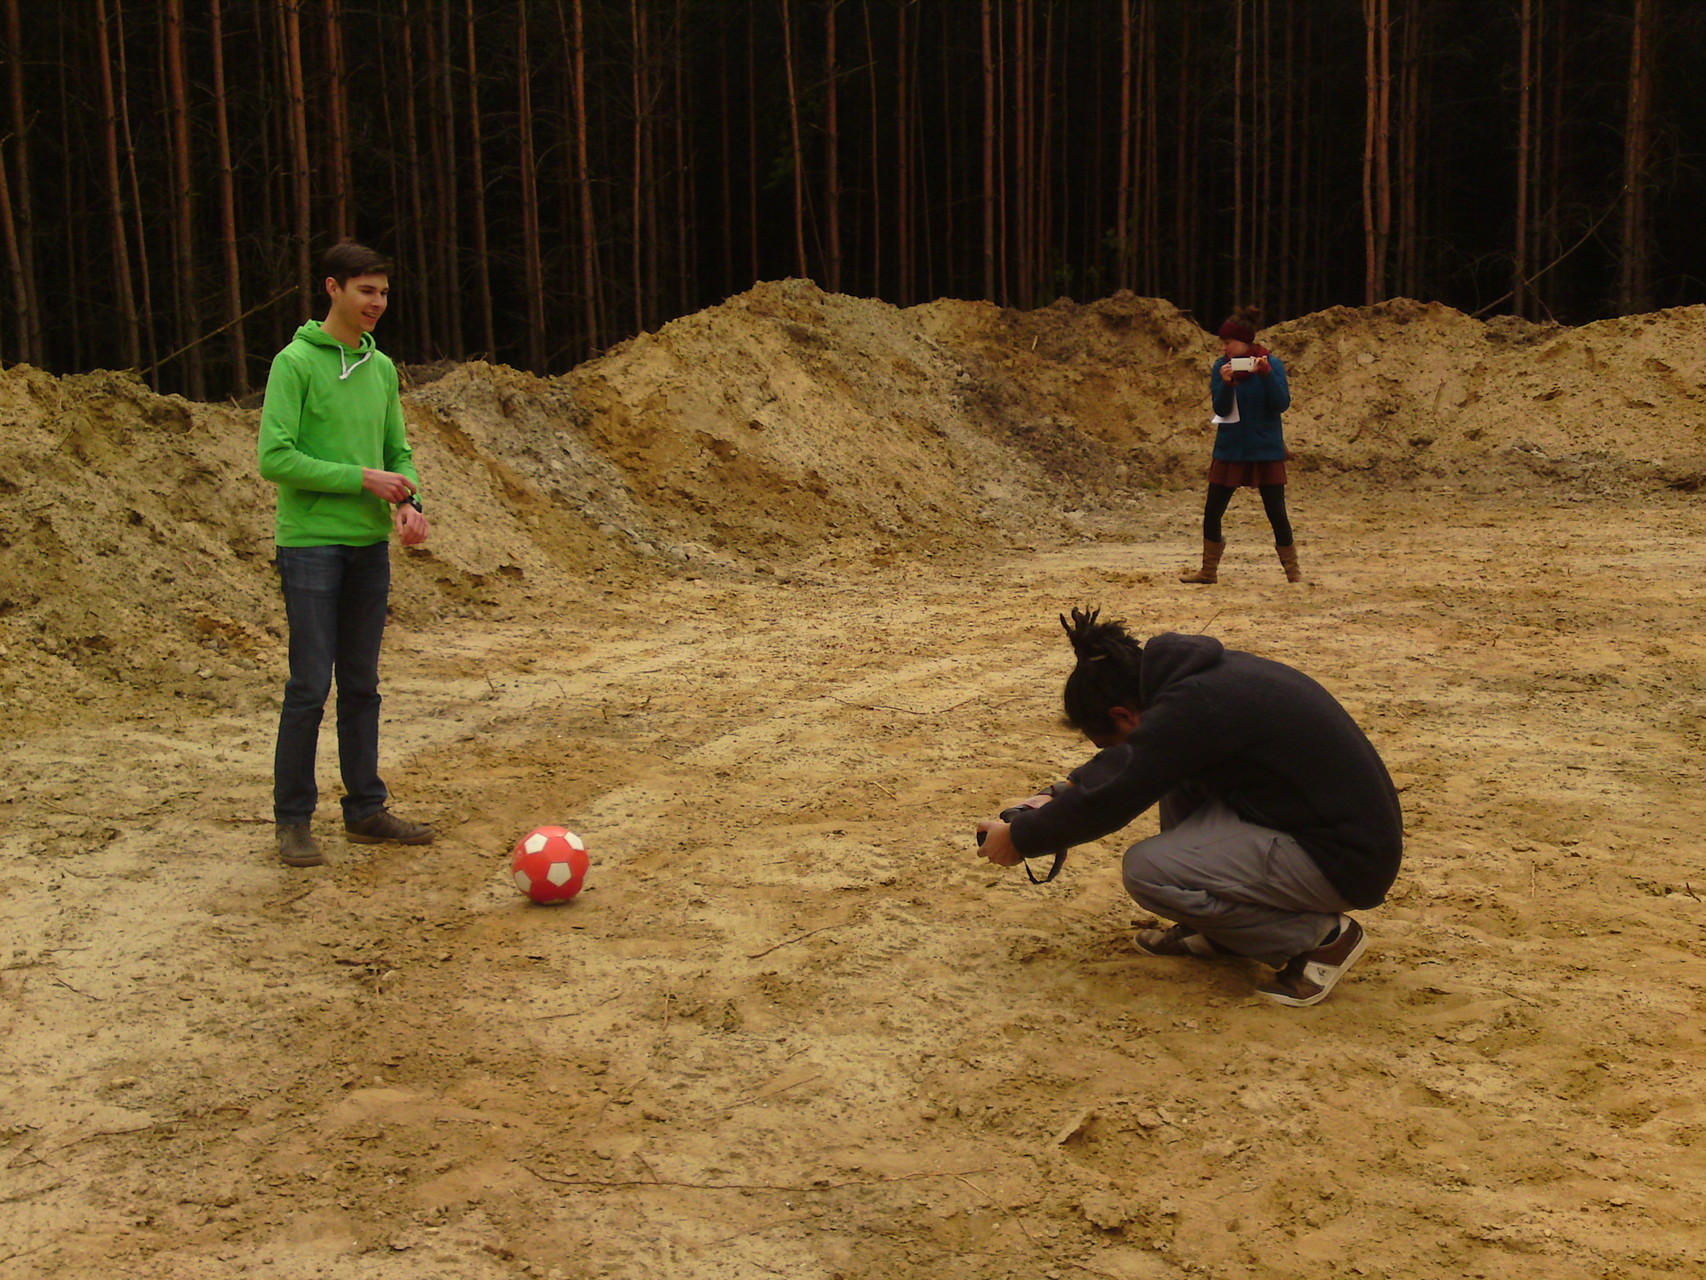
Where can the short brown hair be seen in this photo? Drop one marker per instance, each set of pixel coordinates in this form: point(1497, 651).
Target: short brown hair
point(347, 258)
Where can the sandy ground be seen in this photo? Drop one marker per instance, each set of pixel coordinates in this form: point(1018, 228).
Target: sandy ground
point(794, 1027)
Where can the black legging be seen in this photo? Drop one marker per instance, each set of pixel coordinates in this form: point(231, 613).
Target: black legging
point(1273, 502)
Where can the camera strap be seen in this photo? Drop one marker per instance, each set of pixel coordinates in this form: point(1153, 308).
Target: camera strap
point(1053, 871)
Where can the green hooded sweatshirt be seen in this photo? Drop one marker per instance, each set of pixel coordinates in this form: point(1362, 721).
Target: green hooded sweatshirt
point(330, 411)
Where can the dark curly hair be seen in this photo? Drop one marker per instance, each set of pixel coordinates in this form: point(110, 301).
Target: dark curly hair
point(1107, 675)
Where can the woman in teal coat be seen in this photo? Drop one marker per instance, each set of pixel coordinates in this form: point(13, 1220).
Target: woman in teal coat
point(1249, 391)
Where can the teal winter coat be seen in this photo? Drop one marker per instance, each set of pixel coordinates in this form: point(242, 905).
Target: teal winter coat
point(1258, 435)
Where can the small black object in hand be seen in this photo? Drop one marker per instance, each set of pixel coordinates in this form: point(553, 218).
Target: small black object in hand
point(1007, 815)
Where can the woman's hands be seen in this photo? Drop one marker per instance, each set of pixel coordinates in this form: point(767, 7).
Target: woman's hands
point(1262, 368)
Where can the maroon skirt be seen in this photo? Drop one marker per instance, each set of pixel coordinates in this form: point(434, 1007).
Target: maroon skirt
point(1246, 475)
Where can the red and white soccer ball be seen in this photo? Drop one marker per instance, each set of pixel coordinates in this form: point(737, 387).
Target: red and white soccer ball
point(550, 864)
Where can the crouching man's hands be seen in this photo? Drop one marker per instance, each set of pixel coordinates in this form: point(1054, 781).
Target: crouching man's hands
point(995, 842)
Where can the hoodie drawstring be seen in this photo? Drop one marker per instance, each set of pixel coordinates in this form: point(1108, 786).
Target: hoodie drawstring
point(343, 359)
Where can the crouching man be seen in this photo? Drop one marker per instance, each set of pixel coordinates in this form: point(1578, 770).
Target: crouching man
point(1277, 815)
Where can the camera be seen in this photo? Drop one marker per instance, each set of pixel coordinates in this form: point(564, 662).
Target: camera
point(1242, 364)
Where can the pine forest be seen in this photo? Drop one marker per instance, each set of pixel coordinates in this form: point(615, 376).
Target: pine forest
point(553, 176)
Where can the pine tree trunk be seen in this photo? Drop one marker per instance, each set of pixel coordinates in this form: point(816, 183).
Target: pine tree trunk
point(146, 313)
point(228, 210)
point(1123, 179)
point(1184, 176)
point(1376, 156)
point(989, 154)
point(832, 154)
point(14, 267)
point(1240, 144)
point(684, 218)
point(130, 337)
point(1286, 210)
point(905, 132)
point(422, 275)
point(85, 337)
point(796, 149)
point(23, 199)
point(874, 273)
point(752, 151)
point(447, 186)
point(1634, 254)
point(533, 274)
point(337, 111)
point(1044, 256)
point(637, 170)
point(477, 158)
point(1521, 268)
point(1149, 172)
point(301, 179)
point(188, 319)
point(1021, 243)
point(592, 284)
point(1409, 177)
point(726, 167)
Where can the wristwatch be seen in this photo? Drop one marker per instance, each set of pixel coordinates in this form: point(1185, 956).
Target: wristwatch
point(410, 501)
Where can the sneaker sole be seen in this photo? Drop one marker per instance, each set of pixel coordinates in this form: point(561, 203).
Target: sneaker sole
point(1325, 976)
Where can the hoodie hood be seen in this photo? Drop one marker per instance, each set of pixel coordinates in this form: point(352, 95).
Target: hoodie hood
point(1171, 657)
point(349, 359)
point(311, 331)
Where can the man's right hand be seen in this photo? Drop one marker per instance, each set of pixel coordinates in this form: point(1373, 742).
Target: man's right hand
point(412, 528)
point(995, 844)
point(388, 485)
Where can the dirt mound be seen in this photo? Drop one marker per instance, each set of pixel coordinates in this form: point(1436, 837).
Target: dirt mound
point(1420, 389)
point(783, 429)
point(1405, 390)
point(136, 540)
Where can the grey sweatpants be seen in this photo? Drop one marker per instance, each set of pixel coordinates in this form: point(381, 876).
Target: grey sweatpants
point(1251, 889)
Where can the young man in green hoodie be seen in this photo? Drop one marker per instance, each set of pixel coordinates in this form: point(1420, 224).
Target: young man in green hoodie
point(332, 440)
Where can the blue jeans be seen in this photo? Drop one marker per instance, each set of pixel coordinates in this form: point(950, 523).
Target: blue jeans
point(335, 598)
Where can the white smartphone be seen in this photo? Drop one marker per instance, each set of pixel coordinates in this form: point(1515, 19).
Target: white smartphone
point(1242, 364)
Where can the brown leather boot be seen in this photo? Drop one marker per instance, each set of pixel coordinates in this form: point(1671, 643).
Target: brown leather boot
point(1211, 553)
point(385, 827)
point(297, 846)
point(1288, 558)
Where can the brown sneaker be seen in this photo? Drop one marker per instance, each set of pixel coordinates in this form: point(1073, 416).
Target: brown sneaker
point(297, 846)
point(1308, 978)
point(1180, 940)
point(386, 827)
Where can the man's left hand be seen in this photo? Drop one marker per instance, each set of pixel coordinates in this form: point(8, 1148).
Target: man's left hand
point(997, 844)
point(412, 527)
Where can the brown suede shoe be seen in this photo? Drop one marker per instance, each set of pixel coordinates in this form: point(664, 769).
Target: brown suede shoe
point(385, 827)
point(1308, 978)
point(297, 846)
